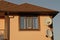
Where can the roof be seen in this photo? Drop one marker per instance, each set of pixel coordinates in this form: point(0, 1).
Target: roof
point(25, 7)
point(7, 6)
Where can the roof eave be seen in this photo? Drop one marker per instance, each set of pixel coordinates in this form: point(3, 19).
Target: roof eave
point(54, 13)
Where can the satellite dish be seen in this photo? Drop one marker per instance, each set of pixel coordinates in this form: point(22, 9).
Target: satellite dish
point(49, 33)
point(48, 21)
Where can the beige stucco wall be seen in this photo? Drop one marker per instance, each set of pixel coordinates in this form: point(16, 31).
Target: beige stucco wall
point(2, 25)
point(16, 34)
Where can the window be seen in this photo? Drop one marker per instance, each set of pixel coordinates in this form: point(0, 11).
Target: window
point(29, 22)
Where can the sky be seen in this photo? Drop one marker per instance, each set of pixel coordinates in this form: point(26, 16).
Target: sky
point(51, 4)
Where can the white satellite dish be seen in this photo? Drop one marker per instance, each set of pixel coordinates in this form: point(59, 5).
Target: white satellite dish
point(48, 21)
point(49, 33)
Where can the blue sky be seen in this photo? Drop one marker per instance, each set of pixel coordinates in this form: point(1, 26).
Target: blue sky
point(52, 4)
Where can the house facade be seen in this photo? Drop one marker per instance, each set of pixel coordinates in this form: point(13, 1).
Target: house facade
point(26, 22)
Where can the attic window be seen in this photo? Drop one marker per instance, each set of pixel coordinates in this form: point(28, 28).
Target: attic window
point(29, 22)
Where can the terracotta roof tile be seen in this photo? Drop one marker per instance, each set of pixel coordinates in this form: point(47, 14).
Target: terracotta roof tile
point(30, 7)
point(7, 6)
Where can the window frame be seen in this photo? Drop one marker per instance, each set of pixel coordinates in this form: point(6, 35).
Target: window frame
point(32, 28)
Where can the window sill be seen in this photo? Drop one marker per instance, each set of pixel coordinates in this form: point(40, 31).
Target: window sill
point(29, 30)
